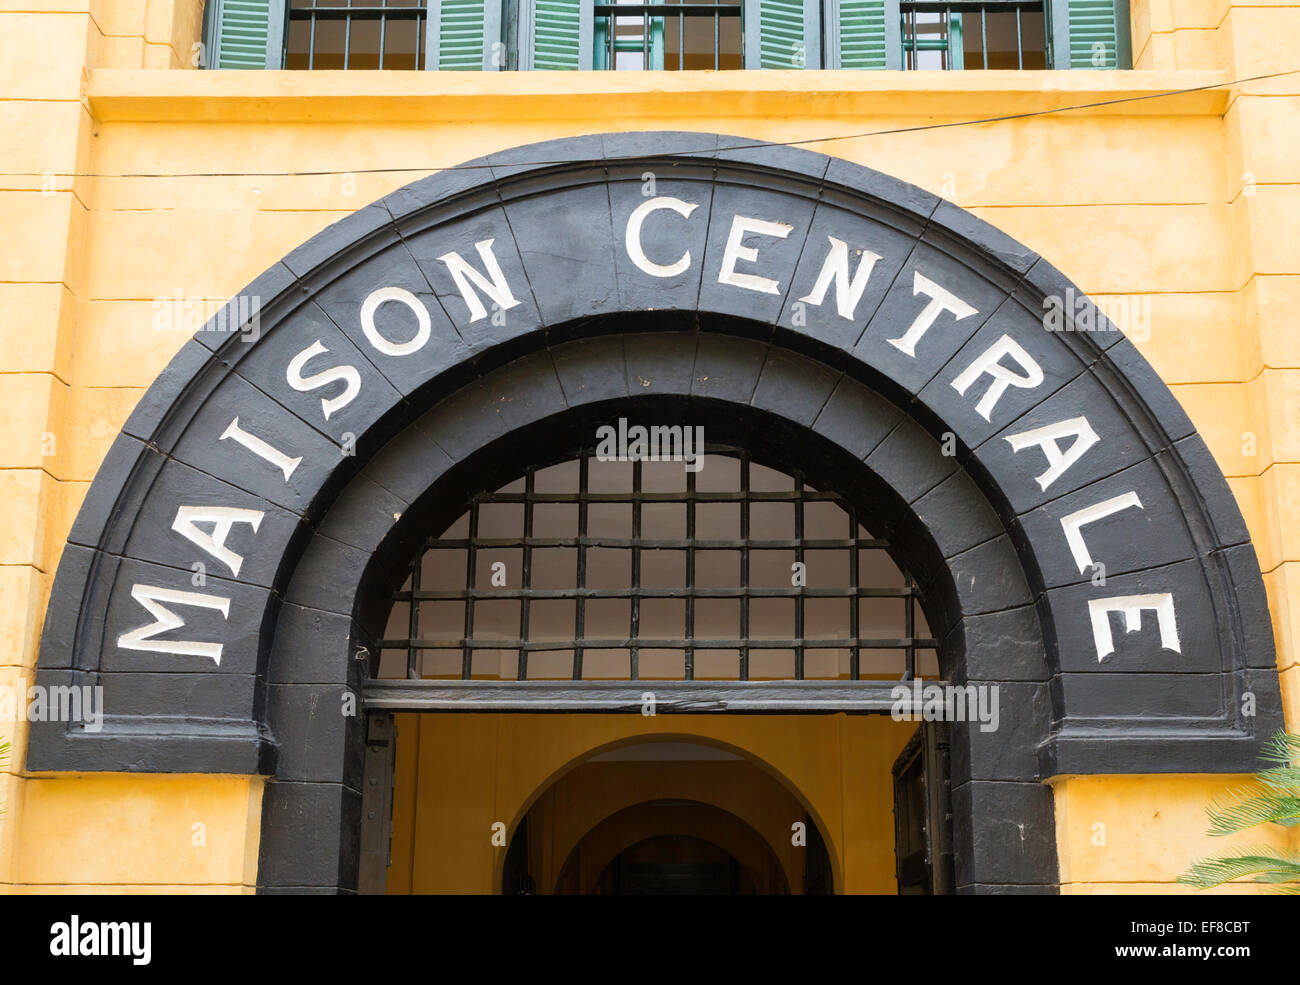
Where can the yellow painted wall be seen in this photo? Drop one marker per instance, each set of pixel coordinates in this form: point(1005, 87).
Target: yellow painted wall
point(1186, 207)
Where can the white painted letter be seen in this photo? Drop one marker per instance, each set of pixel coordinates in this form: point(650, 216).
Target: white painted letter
point(403, 296)
point(836, 268)
point(222, 519)
point(1132, 606)
point(150, 596)
point(632, 237)
point(1003, 376)
point(740, 225)
point(1071, 524)
point(940, 300)
point(344, 374)
point(261, 449)
point(1046, 438)
point(496, 288)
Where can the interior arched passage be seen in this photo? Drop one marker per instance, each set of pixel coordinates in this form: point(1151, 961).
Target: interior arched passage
point(334, 479)
point(780, 771)
point(634, 825)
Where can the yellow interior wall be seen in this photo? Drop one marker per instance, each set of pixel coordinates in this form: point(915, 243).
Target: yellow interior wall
point(1188, 203)
point(458, 775)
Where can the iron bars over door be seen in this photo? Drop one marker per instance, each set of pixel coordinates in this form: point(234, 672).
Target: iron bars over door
point(615, 570)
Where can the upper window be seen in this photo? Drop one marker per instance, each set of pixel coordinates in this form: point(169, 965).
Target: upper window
point(974, 35)
point(667, 35)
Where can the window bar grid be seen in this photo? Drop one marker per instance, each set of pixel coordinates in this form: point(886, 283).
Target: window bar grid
point(580, 604)
point(717, 40)
point(1020, 43)
point(347, 35)
point(909, 629)
point(854, 654)
point(634, 654)
point(383, 27)
point(681, 40)
point(744, 567)
point(467, 657)
point(690, 577)
point(984, 35)
point(527, 581)
point(311, 42)
point(800, 494)
point(413, 621)
point(802, 569)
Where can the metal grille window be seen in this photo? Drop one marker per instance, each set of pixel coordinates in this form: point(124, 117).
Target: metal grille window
point(355, 34)
point(669, 35)
point(1007, 34)
point(602, 570)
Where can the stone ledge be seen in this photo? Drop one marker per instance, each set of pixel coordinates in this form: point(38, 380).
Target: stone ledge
point(159, 96)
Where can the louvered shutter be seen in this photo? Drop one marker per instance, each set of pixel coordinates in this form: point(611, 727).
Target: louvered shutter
point(861, 33)
point(561, 35)
point(245, 33)
point(782, 34)
point(465, 36)
point(1091, 34)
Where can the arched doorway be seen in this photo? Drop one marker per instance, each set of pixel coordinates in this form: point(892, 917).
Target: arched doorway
point(665, 798)
point(478, 318)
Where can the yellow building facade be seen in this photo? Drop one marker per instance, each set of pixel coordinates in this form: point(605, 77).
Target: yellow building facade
point(135, 184)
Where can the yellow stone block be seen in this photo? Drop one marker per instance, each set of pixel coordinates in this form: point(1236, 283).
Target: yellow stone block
point(23, 592)
point(42, 138)
point(31, 416)
point(1280, 494)
point(1142, 829)
point(122, 52)
point(38, 227)
point(1261, 132)
point(1283, 587)
point(1198, 49)
point(1245, 490)
point(127, 343)
point(1221, 413)
point(1187, 338)
point(95, 416)
point(1191, 13)
point(42, 54)
point(1289, 681)
point(120, 17)
point(139, 829)
point(36, 326)
point(1273, 399)
point(26, 494)
point(1273, 213)
point(63, 503)
point(1271, 304)
point(1262, 39)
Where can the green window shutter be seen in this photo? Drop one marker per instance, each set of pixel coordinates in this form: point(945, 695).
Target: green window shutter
point(245, 33)
point(561, 35)
point(1094, 35)
point(782, 34)
point(857, 34)
point(457, 30)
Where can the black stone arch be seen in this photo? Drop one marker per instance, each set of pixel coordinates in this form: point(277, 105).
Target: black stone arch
point(554, 212)
point(786, 409)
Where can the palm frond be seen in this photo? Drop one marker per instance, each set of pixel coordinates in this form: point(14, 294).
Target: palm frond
point(1270, 865)
point(1241, 810)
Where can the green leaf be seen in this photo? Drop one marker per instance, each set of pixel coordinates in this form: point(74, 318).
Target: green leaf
point(1266, 864)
